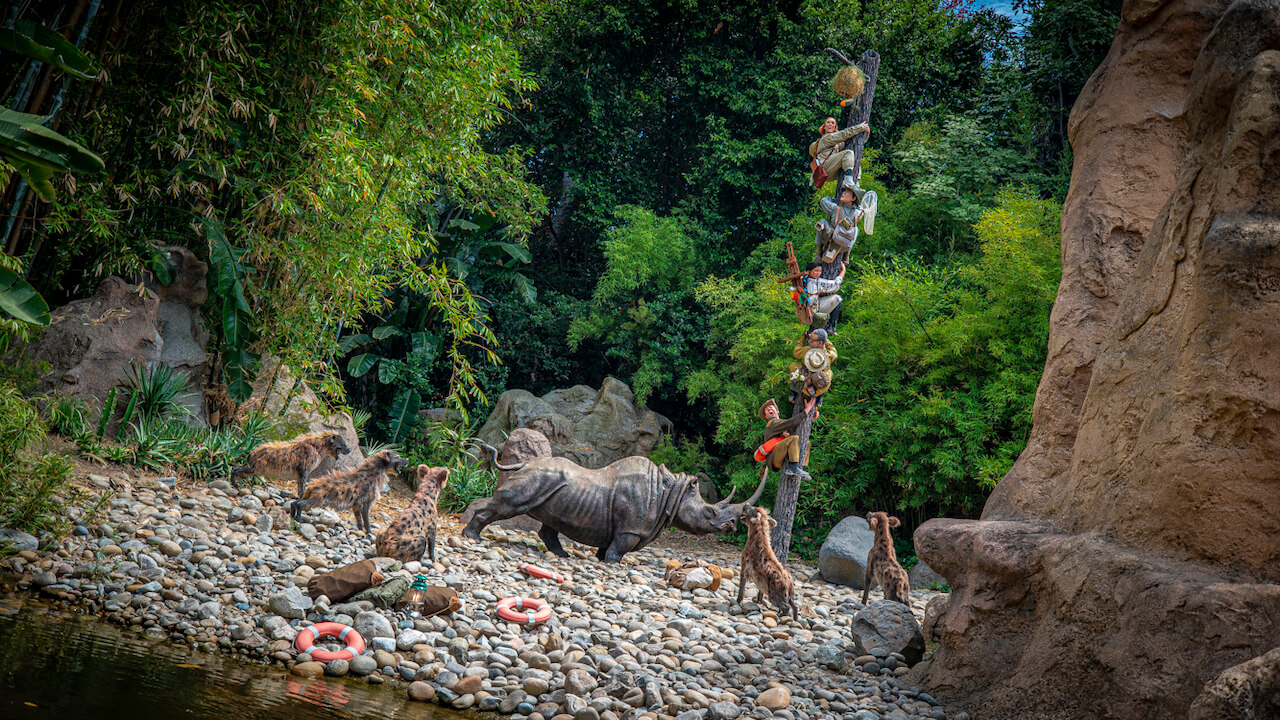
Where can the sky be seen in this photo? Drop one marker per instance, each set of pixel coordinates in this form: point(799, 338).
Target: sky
point(1004, 7)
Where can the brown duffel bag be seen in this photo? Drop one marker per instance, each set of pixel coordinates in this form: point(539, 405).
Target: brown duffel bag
point(346, 581)
point(435, 600)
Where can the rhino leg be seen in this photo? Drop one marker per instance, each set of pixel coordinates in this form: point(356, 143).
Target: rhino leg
point(622, 544)
point(551, 539)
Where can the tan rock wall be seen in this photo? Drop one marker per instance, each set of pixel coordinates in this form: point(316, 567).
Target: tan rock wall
point(1128, 134)
point(1131, 555)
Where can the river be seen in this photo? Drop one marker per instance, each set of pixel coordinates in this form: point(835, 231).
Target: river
point(55, 664)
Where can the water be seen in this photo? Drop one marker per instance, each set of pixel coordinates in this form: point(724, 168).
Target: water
point(60, 665)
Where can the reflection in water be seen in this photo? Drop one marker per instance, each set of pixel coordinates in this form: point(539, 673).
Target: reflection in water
point(55, 665)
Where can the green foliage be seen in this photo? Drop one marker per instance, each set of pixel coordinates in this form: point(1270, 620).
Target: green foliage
point(309, 136)
point(37, 152)
point(685, 455)
point(643, 309)
point(228, 275)
point(35, 488)
point(447, 444)
point(158, 391)
point(21, 301)
point(108, 410)
point(28, 39)
point(954, 176)
point(467, 483)
point(935, 380)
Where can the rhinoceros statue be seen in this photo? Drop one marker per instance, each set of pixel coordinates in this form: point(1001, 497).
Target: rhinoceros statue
point(618, 508)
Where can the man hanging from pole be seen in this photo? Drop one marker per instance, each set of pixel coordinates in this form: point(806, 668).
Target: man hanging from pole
point(780, 449)
point(831, 158)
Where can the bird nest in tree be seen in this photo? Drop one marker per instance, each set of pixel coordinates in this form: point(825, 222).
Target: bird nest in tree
point(849, 82)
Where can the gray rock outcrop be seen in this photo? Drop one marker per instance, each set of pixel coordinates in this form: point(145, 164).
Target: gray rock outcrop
point(843, 557)
point(592, 428)
point(17, 541)
point(296, 410)
point(890, 627)
point(91, 342)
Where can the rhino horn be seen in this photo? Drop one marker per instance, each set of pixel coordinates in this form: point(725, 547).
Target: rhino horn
point(728, 497)
point(764, 478)
point(494, 452)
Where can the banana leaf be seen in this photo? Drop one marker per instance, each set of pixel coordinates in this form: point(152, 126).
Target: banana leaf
point(37, 152)
point(19, 300)
point(39, 42)
point(404, 412)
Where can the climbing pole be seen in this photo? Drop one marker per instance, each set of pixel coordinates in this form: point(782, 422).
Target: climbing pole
point(859, 111)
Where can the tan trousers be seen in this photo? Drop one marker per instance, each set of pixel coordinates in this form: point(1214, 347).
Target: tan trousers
point(839, 162)
point(788, 449)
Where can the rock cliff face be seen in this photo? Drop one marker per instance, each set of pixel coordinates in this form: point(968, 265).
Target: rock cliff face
point(1131, 554)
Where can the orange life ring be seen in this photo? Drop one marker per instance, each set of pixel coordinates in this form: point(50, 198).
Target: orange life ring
point(525, 611)
point(307, 637)
point(538, 572)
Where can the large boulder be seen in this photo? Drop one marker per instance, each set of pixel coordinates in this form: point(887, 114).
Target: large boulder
point(922, 576)
point(592, 428)
point(843, 557)
point(1129, 557)
point(90, 343)
point(1248, 690)
point(889, 626)
point(297, 410)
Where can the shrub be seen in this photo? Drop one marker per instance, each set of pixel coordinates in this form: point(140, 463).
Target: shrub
point(35, 491)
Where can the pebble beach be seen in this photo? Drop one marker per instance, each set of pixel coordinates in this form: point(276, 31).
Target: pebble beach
point(224, 570)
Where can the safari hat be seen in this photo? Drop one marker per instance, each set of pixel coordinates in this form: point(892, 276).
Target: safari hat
point(816, 360)
point(766, 404)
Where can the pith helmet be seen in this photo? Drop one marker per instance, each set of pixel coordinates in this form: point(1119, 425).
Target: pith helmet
point(816, 359)
point(766, 405)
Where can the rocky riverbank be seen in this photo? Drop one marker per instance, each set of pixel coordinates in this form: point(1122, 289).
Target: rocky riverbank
point(221, 570)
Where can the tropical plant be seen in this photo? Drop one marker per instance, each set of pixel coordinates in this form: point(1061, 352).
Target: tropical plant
point(228, 276)
point(156, 392)
point(21, 301)
point(35, 489)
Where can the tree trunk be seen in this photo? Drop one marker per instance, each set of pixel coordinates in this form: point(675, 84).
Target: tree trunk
point(784, 504)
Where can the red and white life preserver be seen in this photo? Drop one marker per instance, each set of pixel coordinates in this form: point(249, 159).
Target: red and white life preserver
point(307, 637)
point(538, 572)
point(525, 611)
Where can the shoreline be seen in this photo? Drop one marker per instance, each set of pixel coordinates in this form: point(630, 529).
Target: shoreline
point(214, 569)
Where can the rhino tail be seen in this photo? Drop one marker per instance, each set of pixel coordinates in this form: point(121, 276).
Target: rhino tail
point(494, 452)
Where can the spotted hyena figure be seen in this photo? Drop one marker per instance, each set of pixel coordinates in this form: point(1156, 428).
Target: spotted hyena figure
point(882, 562)
point(356, 489)
point(762, 567)
point(292, 459)
point(415, 530)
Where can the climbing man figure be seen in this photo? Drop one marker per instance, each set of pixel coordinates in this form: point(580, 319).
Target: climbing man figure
point(780, 449)
point(822, 296)
point(830, 157)
point(839, 231)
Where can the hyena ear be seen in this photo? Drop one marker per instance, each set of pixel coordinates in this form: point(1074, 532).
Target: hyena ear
point(773, 523)
point(894, 522)
point(871, 521)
